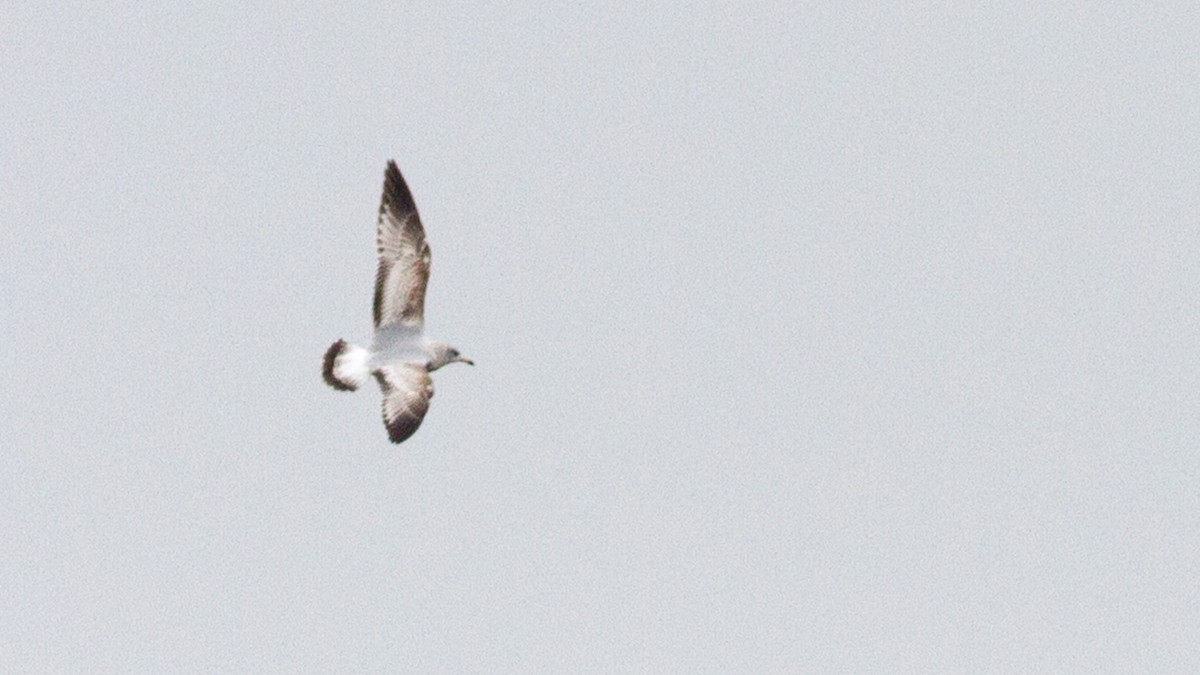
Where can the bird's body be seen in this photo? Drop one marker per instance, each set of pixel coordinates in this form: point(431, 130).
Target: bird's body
point(400, 357)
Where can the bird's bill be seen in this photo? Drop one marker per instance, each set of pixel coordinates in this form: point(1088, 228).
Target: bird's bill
point(467, 361)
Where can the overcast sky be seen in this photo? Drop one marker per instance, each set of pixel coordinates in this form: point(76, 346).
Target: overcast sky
point(810, 337)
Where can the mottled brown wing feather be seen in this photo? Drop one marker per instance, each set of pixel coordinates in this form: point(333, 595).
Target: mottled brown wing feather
point(403, 255)
point(406, 389)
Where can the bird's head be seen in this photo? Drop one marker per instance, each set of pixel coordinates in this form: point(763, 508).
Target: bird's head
point(441, 354)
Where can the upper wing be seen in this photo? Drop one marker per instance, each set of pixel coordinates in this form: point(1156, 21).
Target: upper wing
point(407, 389)
point(403, 256)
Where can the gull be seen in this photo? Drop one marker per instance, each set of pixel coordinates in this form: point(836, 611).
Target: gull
point(400, 357)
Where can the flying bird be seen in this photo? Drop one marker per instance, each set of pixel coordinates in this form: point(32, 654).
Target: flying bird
point(400, 357)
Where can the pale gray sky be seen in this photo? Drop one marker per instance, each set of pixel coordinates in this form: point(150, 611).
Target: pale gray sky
point(811, 337)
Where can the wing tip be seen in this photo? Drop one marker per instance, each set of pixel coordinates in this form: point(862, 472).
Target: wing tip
point(397, 434)
point(401, 427)
point(410, 405)
point(395, 191)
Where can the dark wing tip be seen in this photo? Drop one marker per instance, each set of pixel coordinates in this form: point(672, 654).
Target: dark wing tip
point(406, 419)
point(328, 363)
point(400, 429)
point(401, 426)
point(395, 191)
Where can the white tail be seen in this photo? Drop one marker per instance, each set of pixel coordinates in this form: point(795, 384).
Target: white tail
point(345, 366)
